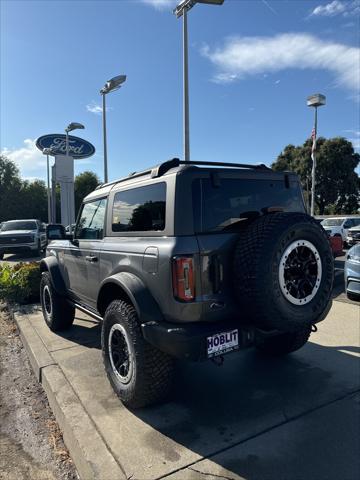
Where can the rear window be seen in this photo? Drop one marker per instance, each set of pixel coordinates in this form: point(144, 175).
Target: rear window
point(220, 206)
point(140, 209)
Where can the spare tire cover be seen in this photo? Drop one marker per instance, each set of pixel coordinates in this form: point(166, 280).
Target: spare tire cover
point(283, 272)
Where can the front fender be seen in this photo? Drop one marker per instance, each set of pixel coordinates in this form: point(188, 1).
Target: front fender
point(51, 265)
point(140, 296)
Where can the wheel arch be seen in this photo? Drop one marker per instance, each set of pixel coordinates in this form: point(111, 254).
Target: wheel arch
point(50, 264)
point(128, 287)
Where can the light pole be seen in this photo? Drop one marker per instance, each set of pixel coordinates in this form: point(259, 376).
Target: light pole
point(181, 11)
point(47, 152)
point(110, 86)
point(72, 126)
point(316, 100)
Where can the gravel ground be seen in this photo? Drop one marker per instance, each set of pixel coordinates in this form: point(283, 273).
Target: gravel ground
point(31, 443)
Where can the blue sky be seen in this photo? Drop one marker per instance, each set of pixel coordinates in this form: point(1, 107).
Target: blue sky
point(252, 65)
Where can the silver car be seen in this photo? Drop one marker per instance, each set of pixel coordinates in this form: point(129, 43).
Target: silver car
point(22, 236)
point(352, 273)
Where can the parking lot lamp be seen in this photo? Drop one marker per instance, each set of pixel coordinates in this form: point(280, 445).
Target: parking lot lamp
point(47, 152)
point(316, 100)
point(181, 11)
point(110, 86)
point(72, 126)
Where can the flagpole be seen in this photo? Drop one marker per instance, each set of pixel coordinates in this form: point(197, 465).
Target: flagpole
point(313, 156)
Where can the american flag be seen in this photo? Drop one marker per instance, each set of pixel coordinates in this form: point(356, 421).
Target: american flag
point(313, 136)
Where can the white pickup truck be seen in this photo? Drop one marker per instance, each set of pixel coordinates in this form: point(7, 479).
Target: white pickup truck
point(21, 236)
point(339, 226)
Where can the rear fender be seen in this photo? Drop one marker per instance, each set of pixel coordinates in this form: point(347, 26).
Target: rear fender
point(135, 290)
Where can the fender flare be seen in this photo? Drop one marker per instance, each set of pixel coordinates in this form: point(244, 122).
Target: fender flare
point(51, 265)
point(144, 303)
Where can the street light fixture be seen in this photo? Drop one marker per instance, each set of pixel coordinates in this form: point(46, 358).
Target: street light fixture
point(315, 101)
point(181, 11)
point(47, 152)
point(72, 126)
point(110, 86)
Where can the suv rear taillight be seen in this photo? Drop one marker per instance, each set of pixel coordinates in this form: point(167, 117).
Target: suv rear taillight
point(183, 278)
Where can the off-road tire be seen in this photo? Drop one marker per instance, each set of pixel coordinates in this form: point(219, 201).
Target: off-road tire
point(58, 313)
point(258, 255)
point(284, 343)
point(152, 370)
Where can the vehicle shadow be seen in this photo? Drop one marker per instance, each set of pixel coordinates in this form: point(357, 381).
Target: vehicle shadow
point(258, 417)
point(218, 408)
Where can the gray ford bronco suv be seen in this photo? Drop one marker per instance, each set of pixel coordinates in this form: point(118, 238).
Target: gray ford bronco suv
point(192, 261)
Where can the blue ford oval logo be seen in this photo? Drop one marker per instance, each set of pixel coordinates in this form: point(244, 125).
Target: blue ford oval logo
point(78, 147)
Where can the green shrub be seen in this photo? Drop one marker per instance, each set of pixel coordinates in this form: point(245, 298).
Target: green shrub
point(20, 283)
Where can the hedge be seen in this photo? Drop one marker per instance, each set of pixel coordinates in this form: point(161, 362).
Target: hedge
point(20, 282)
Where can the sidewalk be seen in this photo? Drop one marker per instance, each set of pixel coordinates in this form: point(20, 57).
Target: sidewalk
point(253, 418)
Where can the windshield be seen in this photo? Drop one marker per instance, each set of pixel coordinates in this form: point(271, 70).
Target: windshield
point(332, 222)
point(218, 207)
point(20, 225)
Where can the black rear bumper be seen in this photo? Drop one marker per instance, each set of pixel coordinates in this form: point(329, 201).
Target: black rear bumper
point(189, 341)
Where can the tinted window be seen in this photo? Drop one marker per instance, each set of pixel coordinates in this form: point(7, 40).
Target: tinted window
point(217, 207)
point(91, 222)
point(21, 225)
point(140, 209)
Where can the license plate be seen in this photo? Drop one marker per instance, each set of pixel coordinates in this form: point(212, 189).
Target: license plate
point(222, 343)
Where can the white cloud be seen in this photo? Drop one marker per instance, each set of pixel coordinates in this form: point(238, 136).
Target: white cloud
point(330, 9)
point(337, 7)
point(355, 142)
point(356, 133)
point(160, 4)
point(94, 107)
point(28, 158)
point(244, 56)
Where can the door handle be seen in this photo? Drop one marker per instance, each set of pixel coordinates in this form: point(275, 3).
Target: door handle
point(91, 258)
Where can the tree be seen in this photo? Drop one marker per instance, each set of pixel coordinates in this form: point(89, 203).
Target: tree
point(34, 199)
point(337, 184)
point(10, 188)
point(85, 183)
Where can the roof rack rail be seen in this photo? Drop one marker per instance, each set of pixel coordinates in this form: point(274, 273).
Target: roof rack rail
point(162, 168)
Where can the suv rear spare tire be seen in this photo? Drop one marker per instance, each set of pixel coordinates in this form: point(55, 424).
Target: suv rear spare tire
point(283, 272)
point(139, 373)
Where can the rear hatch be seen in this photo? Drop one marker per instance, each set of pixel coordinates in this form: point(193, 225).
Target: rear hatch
point(224, 202)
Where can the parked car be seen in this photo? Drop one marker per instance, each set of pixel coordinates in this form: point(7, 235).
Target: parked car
point(336, 245)
point(22, 236)
point(189, 260)
point(352, 273)
point(353, 235)
point(339, 226)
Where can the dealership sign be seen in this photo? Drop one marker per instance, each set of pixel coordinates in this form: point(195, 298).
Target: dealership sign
point(78, 147)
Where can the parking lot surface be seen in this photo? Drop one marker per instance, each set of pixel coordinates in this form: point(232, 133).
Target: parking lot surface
point(252, 418)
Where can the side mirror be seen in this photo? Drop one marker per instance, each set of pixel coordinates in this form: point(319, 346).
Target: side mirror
point(347, 225)
point(55, 231)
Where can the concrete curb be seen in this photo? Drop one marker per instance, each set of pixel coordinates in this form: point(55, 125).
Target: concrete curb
point(89, 452)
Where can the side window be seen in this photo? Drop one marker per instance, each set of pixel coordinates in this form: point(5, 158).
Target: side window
point(140, 209)
point(91, 222)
